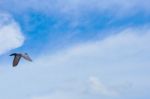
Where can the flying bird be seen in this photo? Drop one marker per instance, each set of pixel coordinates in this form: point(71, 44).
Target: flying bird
point(17, 57)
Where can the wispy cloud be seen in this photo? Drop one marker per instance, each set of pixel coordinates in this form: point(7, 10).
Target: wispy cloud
point(99, 88)
point(66, 74)
point(68, 6)
point(80, 10)
point(115, 60)
point(11, 36)
point(75, 20)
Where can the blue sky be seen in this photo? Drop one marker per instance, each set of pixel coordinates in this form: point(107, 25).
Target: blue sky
point(80, 49)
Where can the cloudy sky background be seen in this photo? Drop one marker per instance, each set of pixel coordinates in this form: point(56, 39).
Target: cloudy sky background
point(81, 49)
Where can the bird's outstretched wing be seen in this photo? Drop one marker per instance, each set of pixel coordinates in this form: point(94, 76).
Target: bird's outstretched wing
point(16, 60)
point(25, 56)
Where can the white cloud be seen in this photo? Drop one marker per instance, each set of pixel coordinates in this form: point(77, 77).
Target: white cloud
point(10, 34)
point(115, 60)
point(118, 59)
point(123, 46)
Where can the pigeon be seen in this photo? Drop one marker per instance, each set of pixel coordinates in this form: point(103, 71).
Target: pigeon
point(17, 57)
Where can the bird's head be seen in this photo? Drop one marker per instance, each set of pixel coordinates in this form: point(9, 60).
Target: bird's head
point(13, 54)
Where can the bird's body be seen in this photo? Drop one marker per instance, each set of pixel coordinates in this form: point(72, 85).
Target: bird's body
point(17, 57)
